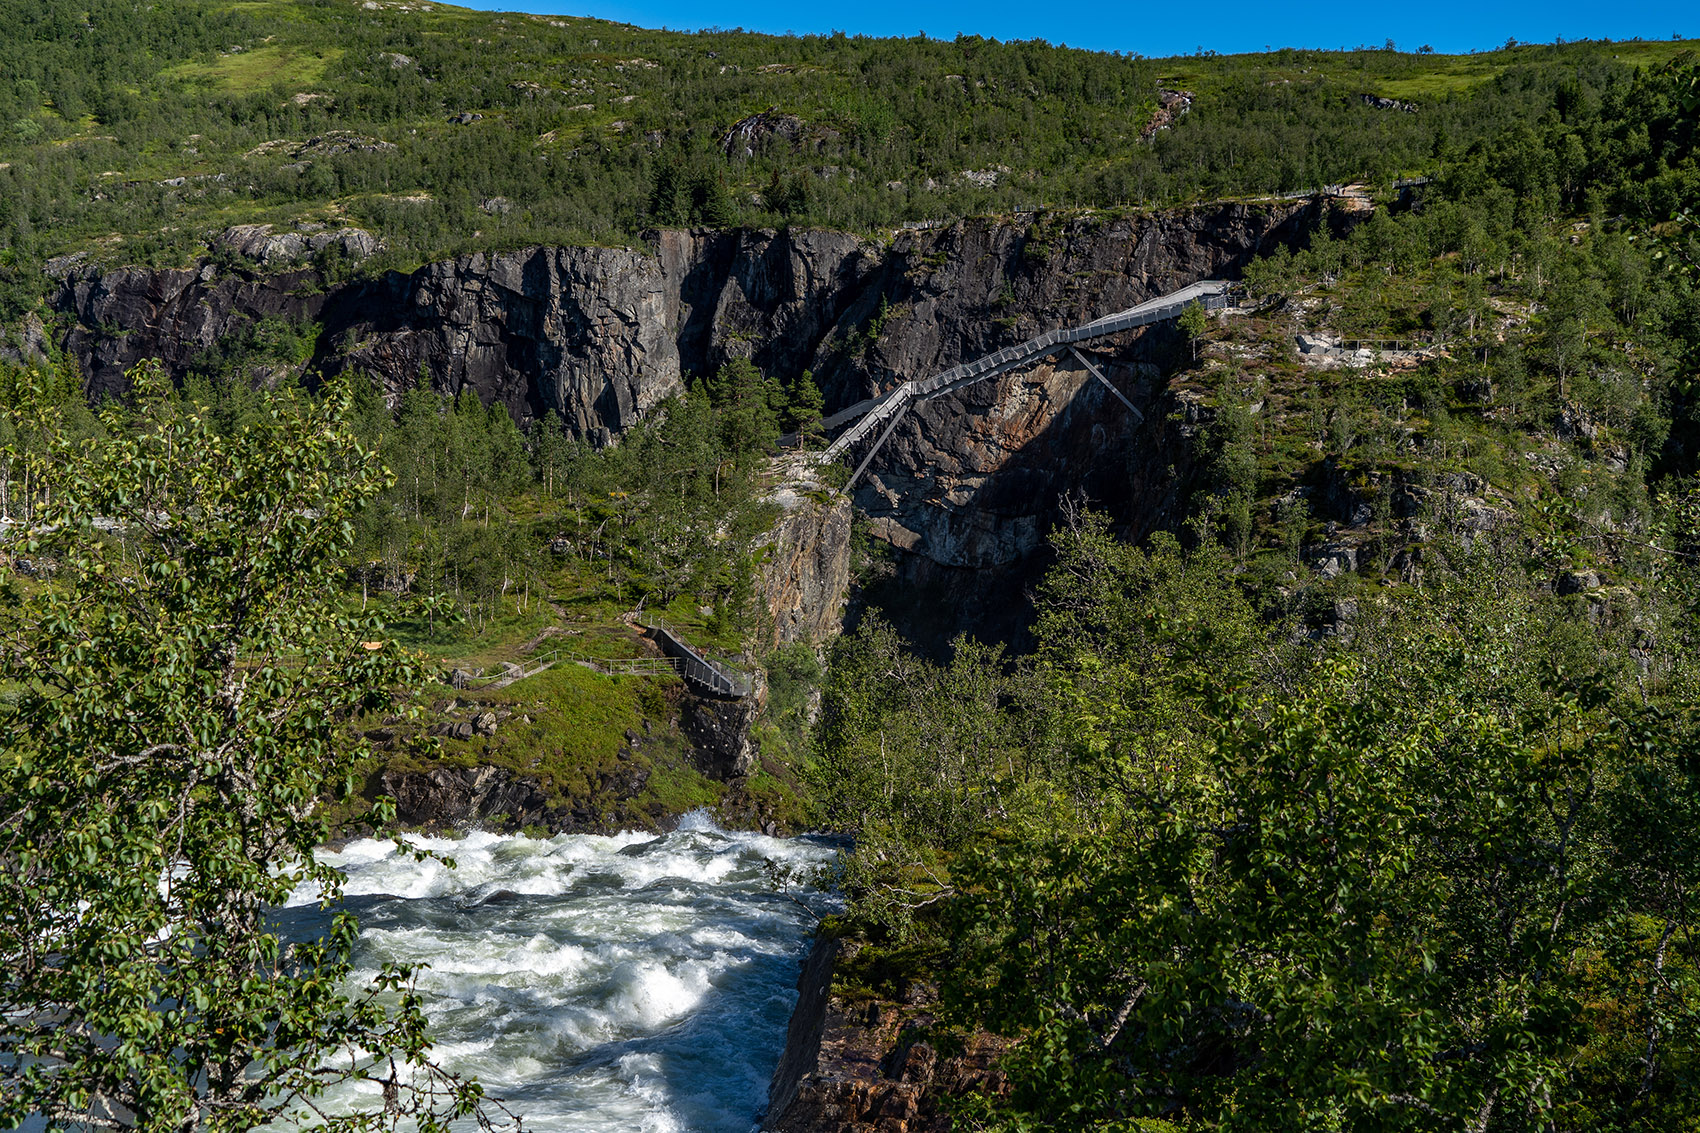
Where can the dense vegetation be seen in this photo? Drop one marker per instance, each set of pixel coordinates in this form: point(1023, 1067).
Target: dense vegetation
point(473, 508)
point(178, 705)
point(480, 548)
point(1366, 800)
point(135, 131)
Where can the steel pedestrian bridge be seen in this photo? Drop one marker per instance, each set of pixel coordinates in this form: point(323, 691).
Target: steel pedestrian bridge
point(700, 671)
point(679, 658)
point(865, 416)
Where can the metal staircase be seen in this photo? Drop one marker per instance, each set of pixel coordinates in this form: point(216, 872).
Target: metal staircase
point(865, 416)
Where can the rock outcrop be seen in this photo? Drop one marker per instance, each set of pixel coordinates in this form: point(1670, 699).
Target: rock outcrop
point(446, 797)
point(970, 486)
point(123, 315)
point(1377, 102)
point(862, 316)
point(602, 335)
point(585, 332)
point(966, 490)
point(27, 345)
point(808, 1023)
point(806, 565)
point(749, 135)
point(582, 331)
point(719, 731)
point(1171, 104)
point(264, 244)
point(867, 1065)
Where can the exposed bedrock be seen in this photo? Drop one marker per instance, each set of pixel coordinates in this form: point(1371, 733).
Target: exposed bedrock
point(970, 483)
point(122, 315)
point(867, 1064)
point(602, 335)
point(805, 557)
point(456, 797)
point(583, 331)
point(863, 316)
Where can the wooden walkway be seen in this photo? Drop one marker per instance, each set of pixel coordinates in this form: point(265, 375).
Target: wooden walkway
point(865, 416)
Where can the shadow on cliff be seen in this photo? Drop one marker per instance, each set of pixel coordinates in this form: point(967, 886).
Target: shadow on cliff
point(970, 566)
point(600, 333)
point(994, 537)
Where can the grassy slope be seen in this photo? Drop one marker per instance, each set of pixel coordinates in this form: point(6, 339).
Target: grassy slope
point(572, 727)
point(1405, 75)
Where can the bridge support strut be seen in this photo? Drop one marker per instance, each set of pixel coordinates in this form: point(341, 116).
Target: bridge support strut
point(879, 444)
point(1138, 417)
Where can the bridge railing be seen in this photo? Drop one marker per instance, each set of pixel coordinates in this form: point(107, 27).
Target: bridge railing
point(713, 677)
point(864, 415)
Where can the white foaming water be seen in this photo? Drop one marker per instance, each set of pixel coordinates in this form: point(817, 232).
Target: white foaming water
point(631, 982)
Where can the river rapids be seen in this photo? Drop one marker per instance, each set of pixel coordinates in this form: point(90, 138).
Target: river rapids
point(632, 982)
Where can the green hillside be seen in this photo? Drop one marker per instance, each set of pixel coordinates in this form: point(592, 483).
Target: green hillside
point(1362, 794)
point(134, 131)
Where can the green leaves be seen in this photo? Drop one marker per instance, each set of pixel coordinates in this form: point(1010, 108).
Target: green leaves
point(186, 694)
point(1437, 875)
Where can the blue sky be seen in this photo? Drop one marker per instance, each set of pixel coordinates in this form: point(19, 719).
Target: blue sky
point(1167, 28)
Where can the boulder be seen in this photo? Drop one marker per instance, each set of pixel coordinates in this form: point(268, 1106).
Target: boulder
point(264, 245)
point(455, 797)
point(1333, 559)
point(719, 730)
point(1576, 582)
point(1377, 102)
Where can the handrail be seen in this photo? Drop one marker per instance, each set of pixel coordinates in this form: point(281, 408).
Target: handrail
point(707, 675)
point(866, 414)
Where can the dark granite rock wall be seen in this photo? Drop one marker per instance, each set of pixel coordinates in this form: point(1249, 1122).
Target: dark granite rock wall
point(602, 335)
point(970, 484)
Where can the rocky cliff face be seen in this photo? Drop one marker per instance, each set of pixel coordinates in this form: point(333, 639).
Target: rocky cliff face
point(123, 315)
point(583, 331)
point(863, 315)
point(966, 490)
point(866, 1064)
point(603, 334)
point(806, 565)
point(969, 486)
point(457, 797)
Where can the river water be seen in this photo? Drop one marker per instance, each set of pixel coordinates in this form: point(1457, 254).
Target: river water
point(633, 982)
